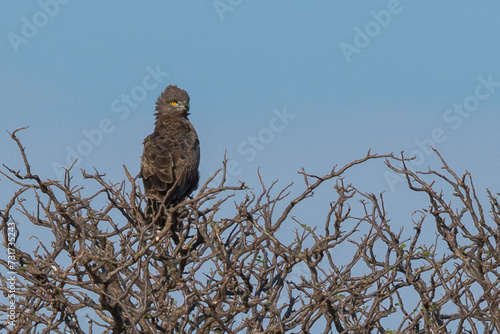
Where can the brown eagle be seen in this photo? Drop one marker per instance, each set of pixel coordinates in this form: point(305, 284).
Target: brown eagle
point(169, 163)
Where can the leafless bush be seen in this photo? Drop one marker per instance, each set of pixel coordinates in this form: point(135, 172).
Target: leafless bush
point(107, 269)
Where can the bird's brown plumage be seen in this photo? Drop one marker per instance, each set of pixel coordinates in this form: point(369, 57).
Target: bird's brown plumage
point(169, 164)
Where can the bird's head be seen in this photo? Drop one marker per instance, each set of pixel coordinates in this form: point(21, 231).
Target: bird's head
point(173, 101)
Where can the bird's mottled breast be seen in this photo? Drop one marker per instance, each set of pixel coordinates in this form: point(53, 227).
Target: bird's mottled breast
point(174, 127)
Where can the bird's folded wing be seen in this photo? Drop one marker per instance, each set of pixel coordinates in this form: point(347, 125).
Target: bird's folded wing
point(157, 164)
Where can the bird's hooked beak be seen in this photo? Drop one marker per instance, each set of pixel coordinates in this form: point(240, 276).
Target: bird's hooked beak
point(184, 107)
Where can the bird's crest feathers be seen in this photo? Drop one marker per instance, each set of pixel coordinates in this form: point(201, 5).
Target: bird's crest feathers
point(171, 93)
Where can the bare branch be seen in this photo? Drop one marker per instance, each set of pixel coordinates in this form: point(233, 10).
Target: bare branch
point(240, 262)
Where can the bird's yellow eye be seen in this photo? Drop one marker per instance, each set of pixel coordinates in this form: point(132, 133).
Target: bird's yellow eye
point(173, 103)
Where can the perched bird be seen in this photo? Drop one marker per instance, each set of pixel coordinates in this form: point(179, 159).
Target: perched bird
point(169, 163)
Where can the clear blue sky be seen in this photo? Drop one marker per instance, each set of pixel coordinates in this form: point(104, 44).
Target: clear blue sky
point(241, 61)
point(280, 85)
